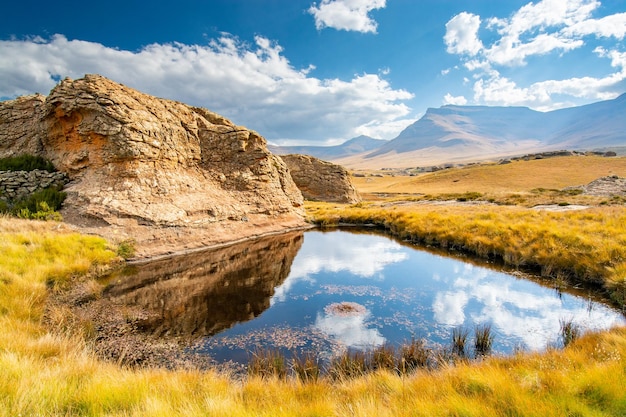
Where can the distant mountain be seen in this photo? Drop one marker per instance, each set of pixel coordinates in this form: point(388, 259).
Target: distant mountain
point(483, 130)
point(354, 146)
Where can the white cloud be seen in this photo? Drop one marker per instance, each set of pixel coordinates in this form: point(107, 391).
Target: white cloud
point(346, 14)
point(458, 100)
point(535, 30)
point(606, 27)
point(253, 85)
point(462, 34)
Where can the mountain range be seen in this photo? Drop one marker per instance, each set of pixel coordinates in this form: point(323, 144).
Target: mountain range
point(452, 134)
point(351, 147)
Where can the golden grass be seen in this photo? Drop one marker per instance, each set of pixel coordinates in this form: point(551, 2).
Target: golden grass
point(583, 246)
point(44, 373)
point(495, 180)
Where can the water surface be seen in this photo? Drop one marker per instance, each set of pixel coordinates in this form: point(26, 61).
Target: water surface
point(282, 293)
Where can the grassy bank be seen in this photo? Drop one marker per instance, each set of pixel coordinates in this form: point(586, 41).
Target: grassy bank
point(52, 373)
point(579, 246)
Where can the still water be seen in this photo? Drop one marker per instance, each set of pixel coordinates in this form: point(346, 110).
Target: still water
point(330, 291)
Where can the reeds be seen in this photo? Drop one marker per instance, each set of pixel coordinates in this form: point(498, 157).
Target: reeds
point(483, 340)
point(570, 331)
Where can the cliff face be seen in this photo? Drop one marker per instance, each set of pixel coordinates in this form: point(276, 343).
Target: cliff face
point(320, 180)
point(137, 161)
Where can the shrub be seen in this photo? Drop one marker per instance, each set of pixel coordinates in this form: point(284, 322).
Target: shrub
point(52, 196)
point(126, 248)
point(26, 163)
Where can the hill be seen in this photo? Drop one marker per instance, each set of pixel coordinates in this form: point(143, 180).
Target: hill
point(353, 146)
point(464, 133)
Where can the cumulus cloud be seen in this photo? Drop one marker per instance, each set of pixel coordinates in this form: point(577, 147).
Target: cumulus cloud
point(462, 34)
point(458, 100)
point(253, 85)
point(535, 30)
point(350, 15)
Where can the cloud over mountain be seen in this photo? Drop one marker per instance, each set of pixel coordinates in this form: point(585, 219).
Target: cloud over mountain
point(490, 46)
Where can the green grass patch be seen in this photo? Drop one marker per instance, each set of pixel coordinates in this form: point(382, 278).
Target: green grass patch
point(26, 163)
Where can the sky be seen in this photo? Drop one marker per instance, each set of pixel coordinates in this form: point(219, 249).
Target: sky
point(304, 72)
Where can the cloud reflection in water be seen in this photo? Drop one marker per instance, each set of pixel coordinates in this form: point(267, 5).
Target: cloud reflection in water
point(514, 307)
point(359, 254)
point(351, 330)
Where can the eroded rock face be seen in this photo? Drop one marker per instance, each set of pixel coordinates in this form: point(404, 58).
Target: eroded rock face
point(320, 180)
point(138, 161)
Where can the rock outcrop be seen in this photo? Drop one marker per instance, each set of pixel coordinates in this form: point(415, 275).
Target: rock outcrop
point(604, 187)
point(320, 180)
point(162, 172)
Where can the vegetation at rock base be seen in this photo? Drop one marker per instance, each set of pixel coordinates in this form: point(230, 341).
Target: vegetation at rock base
point(40, 205)
point(26, 163)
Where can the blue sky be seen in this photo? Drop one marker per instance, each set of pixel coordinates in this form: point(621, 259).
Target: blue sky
point(324, 71)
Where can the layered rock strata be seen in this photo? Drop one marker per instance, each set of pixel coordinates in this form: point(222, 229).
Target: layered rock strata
point(320, 180)
point(164, 173)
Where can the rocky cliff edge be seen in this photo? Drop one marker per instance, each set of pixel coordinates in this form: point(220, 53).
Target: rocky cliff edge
point(169, 175)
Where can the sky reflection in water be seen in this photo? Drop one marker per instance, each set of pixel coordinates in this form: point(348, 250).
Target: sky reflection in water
point(406, 293)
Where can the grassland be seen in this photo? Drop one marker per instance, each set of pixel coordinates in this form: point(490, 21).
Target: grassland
point(498, 181)
point(51, 372)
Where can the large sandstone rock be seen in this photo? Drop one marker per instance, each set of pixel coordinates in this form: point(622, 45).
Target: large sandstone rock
point(162, 172)
point(320, 180)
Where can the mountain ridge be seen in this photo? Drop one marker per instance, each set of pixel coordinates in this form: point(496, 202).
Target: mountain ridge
point(350, 147)
point(454, 133)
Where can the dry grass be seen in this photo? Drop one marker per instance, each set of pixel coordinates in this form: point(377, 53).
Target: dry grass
point(585, 246)
point(499, 180)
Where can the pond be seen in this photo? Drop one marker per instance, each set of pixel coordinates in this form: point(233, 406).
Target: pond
point(326, 292)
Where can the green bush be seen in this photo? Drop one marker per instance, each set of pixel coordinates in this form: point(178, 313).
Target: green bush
point(26, 163)
point(52, 196)
point(41, 205)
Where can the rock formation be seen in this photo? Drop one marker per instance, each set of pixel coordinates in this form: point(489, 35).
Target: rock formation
point(320, 180)
point(604, 187)
point(162, 172)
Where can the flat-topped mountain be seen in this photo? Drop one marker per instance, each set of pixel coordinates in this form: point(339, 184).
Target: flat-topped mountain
point(463, 133)
point(165, 173)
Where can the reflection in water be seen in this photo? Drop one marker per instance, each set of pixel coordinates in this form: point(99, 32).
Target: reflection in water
point(403, 292)
point(351, 331)
point(203, 293)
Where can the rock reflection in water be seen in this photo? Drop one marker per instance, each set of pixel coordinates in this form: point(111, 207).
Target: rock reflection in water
point(203, 293)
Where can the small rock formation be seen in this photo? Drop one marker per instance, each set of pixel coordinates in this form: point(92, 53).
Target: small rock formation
point(165, 173)
point(605, 187)
point(320, 180)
